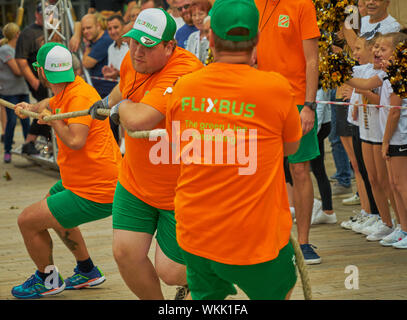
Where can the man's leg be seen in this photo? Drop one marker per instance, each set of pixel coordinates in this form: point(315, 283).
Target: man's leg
point(171, 272)
point(34, 223)
point(303, 198)
point(130, 250)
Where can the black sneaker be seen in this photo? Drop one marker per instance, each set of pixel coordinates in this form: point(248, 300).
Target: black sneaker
point(310, 256)
point(182, 292)
point(29, 148)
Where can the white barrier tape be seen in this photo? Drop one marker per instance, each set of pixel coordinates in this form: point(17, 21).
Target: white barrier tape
point(360, 104)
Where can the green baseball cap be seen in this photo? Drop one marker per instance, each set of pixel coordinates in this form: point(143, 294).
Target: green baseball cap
point(153, 26)
point(229, 14)
point(56, 60)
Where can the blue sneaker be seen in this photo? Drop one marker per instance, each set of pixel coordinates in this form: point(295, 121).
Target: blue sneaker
point(35, 287)
point(81, 280)
point(310, 256)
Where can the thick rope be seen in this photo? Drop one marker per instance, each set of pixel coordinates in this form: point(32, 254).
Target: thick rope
point(81, 113)
point(302, 268)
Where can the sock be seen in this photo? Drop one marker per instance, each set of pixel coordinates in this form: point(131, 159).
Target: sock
point(43, 275)
point(85, 265)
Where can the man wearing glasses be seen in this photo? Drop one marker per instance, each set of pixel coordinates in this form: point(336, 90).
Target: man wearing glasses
point(377, 20)
point(184, 8)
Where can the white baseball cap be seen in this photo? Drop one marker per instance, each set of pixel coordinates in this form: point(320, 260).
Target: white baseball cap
point(56, 60)
point(152, 26)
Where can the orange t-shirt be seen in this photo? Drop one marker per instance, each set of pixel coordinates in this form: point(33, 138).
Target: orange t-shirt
point(151, 183)
point(222, 214)
point(92, 171)
point(283, 25)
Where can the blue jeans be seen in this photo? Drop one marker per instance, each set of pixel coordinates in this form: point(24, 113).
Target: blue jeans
point(343, 170)
point(12, 121)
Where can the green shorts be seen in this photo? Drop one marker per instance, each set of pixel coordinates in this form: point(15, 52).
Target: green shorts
point(309, 148)
point(132, 214)
point(271, 280)
point(71, 210)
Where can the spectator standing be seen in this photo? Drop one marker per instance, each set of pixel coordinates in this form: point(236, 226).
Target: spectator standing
point(291, 26)
point(197, 42)
point(116, 52)
point(377, 20)
point(95, 57)
point(28, 44)
point(184, 7)
point(174, 13)
point(13, 87)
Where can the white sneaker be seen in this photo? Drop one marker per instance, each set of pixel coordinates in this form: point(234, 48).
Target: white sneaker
point(382, 230)
point(316, 206)
point(348, 224)
point(354, 200)
point(322, 217)
point(374, 224)
point(371, 220)
point(402, 244)
point(358, 225)
point(393, 237)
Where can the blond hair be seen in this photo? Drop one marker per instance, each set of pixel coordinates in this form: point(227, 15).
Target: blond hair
point(10, 30)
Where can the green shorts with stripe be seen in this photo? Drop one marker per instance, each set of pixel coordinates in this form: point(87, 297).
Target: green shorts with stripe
point(271, 280)
point(309, 148)
point(70, 210)
point(133, 214)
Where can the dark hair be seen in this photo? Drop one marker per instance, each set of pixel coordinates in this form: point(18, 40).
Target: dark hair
point(235, 46)
point(157, 3)
point(116, 16)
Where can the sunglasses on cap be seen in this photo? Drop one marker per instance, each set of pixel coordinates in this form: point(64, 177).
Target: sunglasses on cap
point(185, 7)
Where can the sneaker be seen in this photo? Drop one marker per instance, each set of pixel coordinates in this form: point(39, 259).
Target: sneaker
point(321, 217)
point(365, 222)
point(382, 230)
point(339, 189)
point(310, 256)
point(393, 237)
point(35, 287)
point(352, 201)
point(348, 223)
point(358, 225)
point(29, 148)
point(81, 280)
point(7, 158)
point(181, 293)
point(317, 205)
point(333, 178)
point(401, 244)
point(371, 225)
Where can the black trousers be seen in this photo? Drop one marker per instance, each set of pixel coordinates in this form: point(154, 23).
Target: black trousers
point(357, 148)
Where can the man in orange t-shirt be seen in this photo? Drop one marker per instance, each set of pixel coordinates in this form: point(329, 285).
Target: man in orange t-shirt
point(231, 205)
point(144, 198)
point(88, 160)
point(288, 45)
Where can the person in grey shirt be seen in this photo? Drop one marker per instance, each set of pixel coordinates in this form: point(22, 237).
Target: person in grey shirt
point(13, 87)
